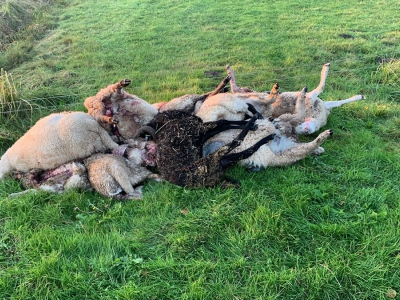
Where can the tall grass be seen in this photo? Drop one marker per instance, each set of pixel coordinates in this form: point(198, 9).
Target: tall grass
point(8, 91)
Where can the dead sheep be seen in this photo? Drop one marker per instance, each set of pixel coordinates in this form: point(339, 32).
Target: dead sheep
point(191, 103)
point(119, 112)
point(180, 137)
point(117, 177)
point(317, 110)
point(55, 140)
point(236, 106)
point(284, 149)
point(72, 175)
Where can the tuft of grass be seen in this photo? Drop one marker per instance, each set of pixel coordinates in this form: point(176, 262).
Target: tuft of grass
point(8, 91)
point(388, 72)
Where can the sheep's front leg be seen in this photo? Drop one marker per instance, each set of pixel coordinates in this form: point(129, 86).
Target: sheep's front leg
point(273, 95)
point(320, 88)
point(220, 86)
point(299, 151)
point(331, 104)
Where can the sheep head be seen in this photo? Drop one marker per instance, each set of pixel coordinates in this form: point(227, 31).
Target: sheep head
point(127, 104)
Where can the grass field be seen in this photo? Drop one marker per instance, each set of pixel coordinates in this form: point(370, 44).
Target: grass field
point(326, 227)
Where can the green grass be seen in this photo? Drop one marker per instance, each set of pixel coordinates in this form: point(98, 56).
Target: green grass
point(324, 228)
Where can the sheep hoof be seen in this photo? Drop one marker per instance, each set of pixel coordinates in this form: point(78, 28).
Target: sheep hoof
point(330, 131)
point(125, 82)
point(114, 120)
point(275, 89)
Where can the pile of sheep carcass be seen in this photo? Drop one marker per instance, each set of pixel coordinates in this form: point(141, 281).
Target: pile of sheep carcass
point(189, 141)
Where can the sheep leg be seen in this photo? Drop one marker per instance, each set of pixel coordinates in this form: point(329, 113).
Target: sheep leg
point(232, 158)
point(123, 180)
point(107, 140)
point(268, 98)
point(331, 104)
point(300, 151)
point(320, 88)
point(234, 87)
point(14, 195)
point(220, 86)
point(136, 195)
point(210, 133)
point(300, 110)
point(139, 174)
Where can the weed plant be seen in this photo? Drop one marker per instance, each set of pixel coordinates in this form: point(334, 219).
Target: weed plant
point(326, 227)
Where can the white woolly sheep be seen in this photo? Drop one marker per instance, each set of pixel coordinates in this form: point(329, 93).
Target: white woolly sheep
point(317, 110)
point(55, 140)
point(139, 153)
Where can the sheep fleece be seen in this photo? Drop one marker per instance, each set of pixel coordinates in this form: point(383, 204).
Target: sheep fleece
point(55, 140)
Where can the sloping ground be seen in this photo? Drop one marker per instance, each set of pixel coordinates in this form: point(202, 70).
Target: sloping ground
point(15, 16)
point(21, 23)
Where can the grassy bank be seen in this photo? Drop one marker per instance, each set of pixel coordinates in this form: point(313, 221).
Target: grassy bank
point(324, 228)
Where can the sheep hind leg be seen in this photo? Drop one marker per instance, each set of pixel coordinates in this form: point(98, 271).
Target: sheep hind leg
point(220, 87)
point(234, 86)
point(123, 179)
point(320, 88)
point(253, 110)
point(232, 158)
point(331, 104)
